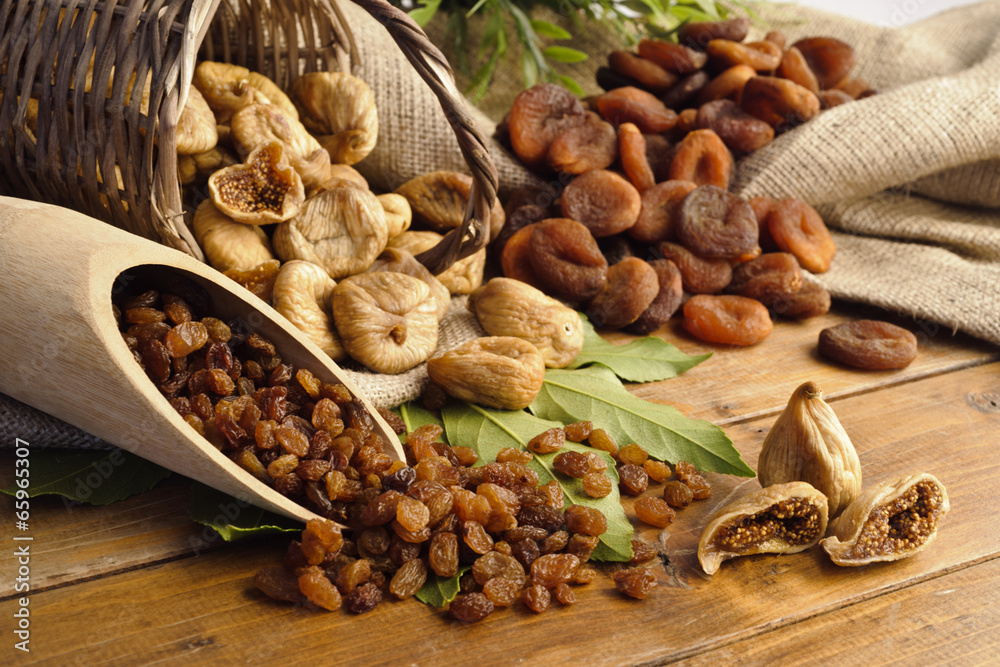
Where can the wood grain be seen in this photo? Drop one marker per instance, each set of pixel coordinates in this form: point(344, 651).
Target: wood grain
point(206, 607)
point(952, 619)
point(738, 384)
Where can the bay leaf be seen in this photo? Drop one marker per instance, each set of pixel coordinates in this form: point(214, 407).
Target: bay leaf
point(415, 415)
point(232, 518)
point(96, 477)
point(646, 359)
point(488, 431)
point(439, 591)
point(596, 394)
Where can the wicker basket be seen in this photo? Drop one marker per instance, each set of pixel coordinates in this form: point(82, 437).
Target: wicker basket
point(64, 151)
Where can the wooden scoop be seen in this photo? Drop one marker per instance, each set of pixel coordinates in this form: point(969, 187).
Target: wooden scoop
point(61, 351)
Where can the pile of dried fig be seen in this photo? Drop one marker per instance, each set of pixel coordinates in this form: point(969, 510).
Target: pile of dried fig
point(278, 207)
point(637, 212)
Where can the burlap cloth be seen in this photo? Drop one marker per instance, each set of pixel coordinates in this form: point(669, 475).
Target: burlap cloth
point(909, 178)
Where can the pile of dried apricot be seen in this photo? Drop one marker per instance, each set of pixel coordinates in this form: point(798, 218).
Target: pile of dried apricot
point(638, 212)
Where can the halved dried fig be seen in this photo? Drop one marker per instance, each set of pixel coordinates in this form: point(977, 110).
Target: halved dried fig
point(302, 294)
point(196, 131)
point(497, 371)
point(229, 244)
point(228, 88)
point(387, 321)
point(263, 190)
point(783, 518)
point(340, 110)
point(888, 521)
point(343, 230)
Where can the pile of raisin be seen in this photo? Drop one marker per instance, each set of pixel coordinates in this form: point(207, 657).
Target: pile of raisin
point(310, 440)
point(637, 210)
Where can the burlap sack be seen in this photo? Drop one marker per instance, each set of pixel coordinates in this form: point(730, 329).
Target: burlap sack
point(897, 173)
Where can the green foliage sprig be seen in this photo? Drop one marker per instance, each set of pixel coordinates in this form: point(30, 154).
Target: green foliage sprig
point(631, 19)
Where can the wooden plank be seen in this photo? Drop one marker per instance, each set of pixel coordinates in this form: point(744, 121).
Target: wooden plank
point(74, 541)
point(953, 619)
point(207, 607)
point(738, 383)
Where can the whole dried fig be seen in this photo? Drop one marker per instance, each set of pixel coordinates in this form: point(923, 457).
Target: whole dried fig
point(439, 200)
point(461, 277)
point(256, 124)
point(228, 88)
point(507, 307)
point(263, 190)
point(401, 261)
point(343, 230)
point(783, 518)
point(200, 166)
point(398, 214)
point(500, 372)
point(302, 293)
point(386, 321)
point(196, 131)
point(229, 244)
point(340, 110)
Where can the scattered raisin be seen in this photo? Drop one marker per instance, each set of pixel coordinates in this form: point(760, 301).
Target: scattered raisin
point(572, 464)
point(643, 552)
point(586, 520)
point(364, 598)
point(578, 431)
point(536, 598)
point(654, 511)
point(634, 479)
point(315, 585)
point(677, 494)
point(635, 582)
point(597, 484)
point(548, 441)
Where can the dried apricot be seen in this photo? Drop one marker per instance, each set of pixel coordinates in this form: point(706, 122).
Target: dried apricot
point(780, 103)
point(697, 34)
point(727, 320)
point(703, 159)
point(797, 228)
point(762, 56)
point(591, 144)
point(856, 88)
point(810, 301)
point(767, 277)
point(685, 90)
point(515, 258)
point(631, 286)
point(537, 116)
point(829, 58)
point(646, 73)
point(603, 201)
point(632, 149)
point(777, 37)
point(672, 57)
point(795, 68)
point(658, 211)
point(762, 206)
point(832, 98)
point(665, 303)
point(727, 85)
point(567, 260)
point(869, 344)
point(634, 105)
point(740, 131)
point(714, 223)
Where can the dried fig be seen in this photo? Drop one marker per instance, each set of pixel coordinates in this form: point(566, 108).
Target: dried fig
point(229, 244)
point(340, 110)
point(256, 124)
point(783, 519)
point(401, 261)
point(302, 293)
point(343, 230)
point(500, 372)
point(439, 200)
point(507, 307)
point(889, 521)
point(228, 88)
point(398, 214)
point(263, 190)
point(199, 167)
point(387, 321)
point(196, 132)
point(461, 277)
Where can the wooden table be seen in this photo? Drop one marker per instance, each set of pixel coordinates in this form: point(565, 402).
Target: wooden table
point(138, 582)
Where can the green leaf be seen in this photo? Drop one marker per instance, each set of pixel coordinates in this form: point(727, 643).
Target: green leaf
point(488, 431)
point(529, 69)
point(547, 29)
point(564, 54)
point(414, 415)
point(439, 591)
point(95, 477)
point(232, 518)
point(595, 394)
point(571, 84)
point(423, 14)
point(647, 359)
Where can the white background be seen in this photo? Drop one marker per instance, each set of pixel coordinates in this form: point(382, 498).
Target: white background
point(889, 13)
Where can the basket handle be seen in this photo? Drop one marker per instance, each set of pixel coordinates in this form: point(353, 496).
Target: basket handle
point(433, 68)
